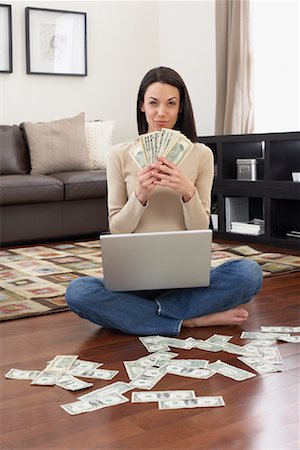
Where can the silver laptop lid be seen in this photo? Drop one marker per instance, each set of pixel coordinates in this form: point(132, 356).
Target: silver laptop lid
point(160, 260)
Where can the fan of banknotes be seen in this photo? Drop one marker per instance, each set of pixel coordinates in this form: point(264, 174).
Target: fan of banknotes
point(171, 144)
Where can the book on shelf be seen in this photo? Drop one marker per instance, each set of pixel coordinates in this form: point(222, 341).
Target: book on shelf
point(254, 227)
point(293, 233)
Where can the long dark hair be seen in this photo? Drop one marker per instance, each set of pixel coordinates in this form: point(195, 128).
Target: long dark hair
point(185, 122)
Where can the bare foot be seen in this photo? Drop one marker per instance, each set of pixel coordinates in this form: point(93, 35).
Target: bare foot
point(234, 316)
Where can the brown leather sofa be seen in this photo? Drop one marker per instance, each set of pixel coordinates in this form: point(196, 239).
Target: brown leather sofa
point(37, 208)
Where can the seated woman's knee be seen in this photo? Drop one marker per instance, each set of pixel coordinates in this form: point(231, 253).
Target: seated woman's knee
point(75, 293)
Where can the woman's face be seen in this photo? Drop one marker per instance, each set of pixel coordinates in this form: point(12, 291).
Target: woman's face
point(161, 106)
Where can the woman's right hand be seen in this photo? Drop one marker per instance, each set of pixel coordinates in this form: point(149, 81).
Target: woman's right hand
point(145, 186)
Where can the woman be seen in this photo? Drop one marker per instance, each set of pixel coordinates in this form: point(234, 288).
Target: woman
point(164, 197)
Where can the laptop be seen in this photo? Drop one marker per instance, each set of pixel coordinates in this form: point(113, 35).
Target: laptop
point(156, 260)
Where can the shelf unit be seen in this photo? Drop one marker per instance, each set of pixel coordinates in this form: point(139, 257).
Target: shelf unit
point(273, 197)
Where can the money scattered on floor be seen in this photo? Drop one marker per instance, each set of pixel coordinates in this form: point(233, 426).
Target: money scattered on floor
point(171, 144)
point(261, 355)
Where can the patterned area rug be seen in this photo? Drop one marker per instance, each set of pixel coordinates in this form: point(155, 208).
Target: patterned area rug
point(33, 280)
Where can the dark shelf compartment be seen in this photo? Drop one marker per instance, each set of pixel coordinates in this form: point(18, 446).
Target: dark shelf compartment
point(273, 196)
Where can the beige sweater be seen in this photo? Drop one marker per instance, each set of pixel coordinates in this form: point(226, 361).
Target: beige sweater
point(165, 211)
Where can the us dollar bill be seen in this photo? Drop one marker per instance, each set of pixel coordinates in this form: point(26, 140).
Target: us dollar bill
point(219, 339)
point(153, 344)
point(182, 371)
point(155, 396)
point(61, 363)
point(280, 329)
point(258, 335)
point(148, 378)
point(100, 374)
point(227, 370)
point(85, 365)
point(198, 402)
point(119, 387)
point(17, 374)
point(83, 406)
point(291, 339)
point(179, 151)
point(237, 349)
point(71, 383)
point(46, 378)
point(270, 354)
point(190, 363)
point(258, 364)
point(139, 156)
point(208, 346)
point(185, 344)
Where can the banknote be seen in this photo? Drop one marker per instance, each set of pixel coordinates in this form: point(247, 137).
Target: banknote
point(155, 396)
point(191, 363)
point(100, 374)
point(150, 360)
point(270, 354)
point(153, 344)
point(219, 339)
point(183, 371)
point(258, 364)
point(227, 370)
point(61, 363)
point(208, 346)
point(260, 335)
point(17, 374)
point(236, 349)
point(83, 406)
point(133, 369)
point(169, 143)
point(148, 378)
point(280, 329)
point(260, 343)
point(46, 378)
point(119, 387)
point(184, 344)
point(291, 339)
point(71, 383)
point(85, 365)
point(139, 156)
point(198, 402)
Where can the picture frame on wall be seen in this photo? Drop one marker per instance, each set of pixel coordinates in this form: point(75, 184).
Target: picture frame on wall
point(56, 42)
point(5, 39)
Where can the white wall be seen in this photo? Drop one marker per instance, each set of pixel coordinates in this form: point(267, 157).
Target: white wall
point(187, 44)
point(276, 40)
point(120, 52)
point(127, 38)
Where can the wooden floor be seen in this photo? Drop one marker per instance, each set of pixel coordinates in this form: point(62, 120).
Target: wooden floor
point(260, 413)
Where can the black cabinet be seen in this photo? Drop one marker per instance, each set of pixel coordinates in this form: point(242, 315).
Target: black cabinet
point(272, 199)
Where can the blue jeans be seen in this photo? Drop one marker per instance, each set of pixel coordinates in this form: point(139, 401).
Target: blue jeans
point(162, 312)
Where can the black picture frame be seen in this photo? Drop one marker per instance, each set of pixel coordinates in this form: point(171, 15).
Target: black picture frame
point(6, 65)
point(56, 42)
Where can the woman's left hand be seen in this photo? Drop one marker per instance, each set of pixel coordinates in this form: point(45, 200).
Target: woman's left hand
point(169, 175)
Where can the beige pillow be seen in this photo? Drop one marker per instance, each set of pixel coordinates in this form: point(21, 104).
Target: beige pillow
point(99, 140)
point(57, 146)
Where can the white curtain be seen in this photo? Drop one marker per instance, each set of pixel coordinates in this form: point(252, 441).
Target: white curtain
point(234, 66)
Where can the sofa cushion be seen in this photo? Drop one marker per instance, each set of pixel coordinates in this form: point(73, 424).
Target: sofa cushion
point(57, 146)
point(99, 140)
point(26, 189)
point(83, 184)
point(14, 158)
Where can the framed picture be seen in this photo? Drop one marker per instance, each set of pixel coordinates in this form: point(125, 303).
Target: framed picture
point(5, 39)
point(55, 42)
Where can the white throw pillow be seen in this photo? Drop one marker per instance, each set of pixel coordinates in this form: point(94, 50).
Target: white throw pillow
point(57, 146)
point(99, 140)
